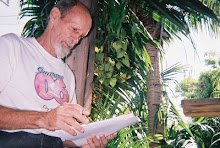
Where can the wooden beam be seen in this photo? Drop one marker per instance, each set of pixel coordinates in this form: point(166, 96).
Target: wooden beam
point(207, 107)
point(203, 101)
point(196, 108)
point(202, 114)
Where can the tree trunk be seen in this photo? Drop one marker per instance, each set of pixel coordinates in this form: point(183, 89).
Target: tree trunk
point(81, 61)
point(154, 92)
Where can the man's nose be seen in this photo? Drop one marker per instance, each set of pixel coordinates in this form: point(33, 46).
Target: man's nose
point(76, 39)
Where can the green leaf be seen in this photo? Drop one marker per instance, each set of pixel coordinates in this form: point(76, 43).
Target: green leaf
point(100, 56)
point(118, 65)
point(111, 69)
point(107, 66)
point(101, 81)
point(120, 54)
point(125, 46)
point(101, 67)
point(134, 29)
point(97, 49)
point(109, 75)
point(123, 33)
point(112, 36)
point(117, 45)
point(123, 75)
point(126, 62)
point(112, 62)
point(113, 81)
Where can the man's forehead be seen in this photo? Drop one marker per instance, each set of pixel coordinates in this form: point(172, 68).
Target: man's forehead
point(79, 11)
point(80, 8)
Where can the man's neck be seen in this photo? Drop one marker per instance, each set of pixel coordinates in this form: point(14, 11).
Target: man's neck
point(45, 41)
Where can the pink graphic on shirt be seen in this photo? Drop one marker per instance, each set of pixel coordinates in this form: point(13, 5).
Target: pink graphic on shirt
point(48, 88)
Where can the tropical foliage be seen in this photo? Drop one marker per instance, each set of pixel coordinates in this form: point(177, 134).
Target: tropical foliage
point(212, 59)
point(204, 131)
point(122, 63)
point(200, 133)
point(208, 84)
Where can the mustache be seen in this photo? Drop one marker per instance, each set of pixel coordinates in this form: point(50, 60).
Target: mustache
point(69, 42)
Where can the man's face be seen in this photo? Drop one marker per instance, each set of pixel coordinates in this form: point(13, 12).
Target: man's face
point(69, 30)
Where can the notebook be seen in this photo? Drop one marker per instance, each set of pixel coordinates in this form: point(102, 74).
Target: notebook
point(107, 127)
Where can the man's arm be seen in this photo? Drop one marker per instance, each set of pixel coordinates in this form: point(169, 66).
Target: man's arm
point(63, 117)
point(11, 119)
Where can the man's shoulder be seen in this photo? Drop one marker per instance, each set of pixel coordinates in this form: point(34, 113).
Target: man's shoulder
point(10, 35)
point(14, 38)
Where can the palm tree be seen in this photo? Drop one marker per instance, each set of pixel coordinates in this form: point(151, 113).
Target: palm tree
point(162, 22)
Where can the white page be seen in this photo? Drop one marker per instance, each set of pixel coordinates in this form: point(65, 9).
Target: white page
point(107, 127)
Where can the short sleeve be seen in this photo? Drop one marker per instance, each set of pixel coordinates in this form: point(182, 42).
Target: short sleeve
point(7, 59)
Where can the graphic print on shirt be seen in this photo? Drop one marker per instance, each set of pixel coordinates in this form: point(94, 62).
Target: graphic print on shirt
point(49, 85)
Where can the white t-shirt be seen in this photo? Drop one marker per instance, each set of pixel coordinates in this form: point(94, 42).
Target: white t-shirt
point(31, 79)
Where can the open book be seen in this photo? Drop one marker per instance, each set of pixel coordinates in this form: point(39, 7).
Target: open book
point(107, 127)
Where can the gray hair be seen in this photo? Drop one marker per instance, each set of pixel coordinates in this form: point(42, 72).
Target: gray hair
point(65, 5)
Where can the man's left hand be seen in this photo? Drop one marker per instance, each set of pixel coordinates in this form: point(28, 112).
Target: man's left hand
point(93, 141)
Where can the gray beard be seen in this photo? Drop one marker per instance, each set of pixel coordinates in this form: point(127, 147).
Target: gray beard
point(61, 51)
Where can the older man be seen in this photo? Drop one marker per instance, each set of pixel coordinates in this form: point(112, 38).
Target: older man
point(37, 89)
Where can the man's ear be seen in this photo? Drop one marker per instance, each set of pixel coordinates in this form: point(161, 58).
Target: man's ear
point(55, 14)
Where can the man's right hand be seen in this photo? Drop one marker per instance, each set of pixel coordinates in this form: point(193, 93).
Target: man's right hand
point(66, 117)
